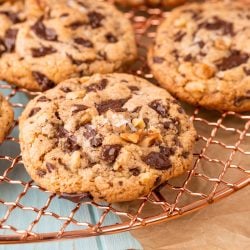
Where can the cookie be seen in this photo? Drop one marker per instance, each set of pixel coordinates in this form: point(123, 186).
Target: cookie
point(70, 39)
point(113, 137)
point(202, 55)
point(6, 118)
point(167, 3)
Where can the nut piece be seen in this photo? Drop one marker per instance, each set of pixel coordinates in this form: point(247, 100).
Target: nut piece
point(150, 139)
point(180, 22)
point(75, 95)
point(203, 71)
point(138, 123)
point(75, 160)
point(130, 137)
point(223, 43)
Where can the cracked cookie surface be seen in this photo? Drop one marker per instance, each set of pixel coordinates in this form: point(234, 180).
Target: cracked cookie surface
point(202, 55)
point(114, 137)
point(6, 117)
point(63, 39)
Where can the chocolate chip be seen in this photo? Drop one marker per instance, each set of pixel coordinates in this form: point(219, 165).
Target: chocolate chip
point(62, 132)
point(34, 111)
point(201, 44)
point(42, 51)
point(235, 59)
point(188, 58)
point(77, 198)
point(75, 25)
point(89, 131)
point(65, 89)
point(44, 82)
point(133, 88)
point(135, 171)
point(41, 173)
point(79, 108)
point(95, 19)
point(241, 99)
point(110, 152)
point(157, 160)
point(12, 16)
point(96, 141)
point(86, 43)
point(137, 109)
point(71, 144)
point(157, 59)
point(50, 167)
point(247, 71)
point(159, 108)
point(75, 61)
point(115, 105)
point(166, 124)
point(43, 99)
point(57, 115)
point(10, 39)
point(97, 86)
point(111, 38)
point(218, 24)
point(179, 35)
point(43, 32)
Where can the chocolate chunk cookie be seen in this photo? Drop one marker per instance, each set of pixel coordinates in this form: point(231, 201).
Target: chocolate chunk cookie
point(6, 117)
point(114, 137)
point(167, 3)
point(202, 55)
point(65, 39)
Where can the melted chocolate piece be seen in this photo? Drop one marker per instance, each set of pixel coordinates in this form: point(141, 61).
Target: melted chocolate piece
point(65, 89)
point(218, 24)
point(115, 105)
point(110, 152)
point(42, 51)
point(157, 160)
point(34, 111)
point(234, 60)
point(133, 88)
point(97, 86)
point(159, 108)
point(79, 108)
point(135, 171)
point(179, 35)
point(62, 132)
point(41, 173)
point(90, 132)
point(86, 43)
point(12, 16)
point(50, 167)
point(43, 32)
point(241, 99)
point(71, 144)
point(157, 59)
point(75, 25)
point(44, 82)
point(111, 38)
point(95, 19)
point(96, 141)
point(10, 39)
point(77, 198)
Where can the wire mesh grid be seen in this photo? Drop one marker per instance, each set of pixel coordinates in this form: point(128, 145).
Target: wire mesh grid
point(221, 166)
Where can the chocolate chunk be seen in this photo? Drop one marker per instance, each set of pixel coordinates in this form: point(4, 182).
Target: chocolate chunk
point(42, 51)
point(41, 173)
point(75, 25)
point(43, 99)
point(44, 82)
point(111, 38)
point(157, 59)
point(133, 88)
point(95, 19)
point(247, 71)
point(115, 105)
point(157, 160)
point(97, 86)
point(96, 141)
point(86, 43)
point(159, 108)
point(34, 111)
point(201, 44)
point(241, 99)
point(179, 35)
point(57, 115)
point(10, 39)
point(62, 132)
point(50, 167)
point(65, 89)
point(43, 32)
point(71, 144)
point(227, 28)
point(235, 59)
point(12, 16)
point(79, 108)
point(188, 58)
point(135, 171)
point(77, 198)
point(110, 152)
point(89, 131)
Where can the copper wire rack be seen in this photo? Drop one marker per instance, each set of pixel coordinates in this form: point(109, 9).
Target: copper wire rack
point(221, 167)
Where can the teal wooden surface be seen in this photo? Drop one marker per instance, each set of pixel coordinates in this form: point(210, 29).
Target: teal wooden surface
point(21, 219)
